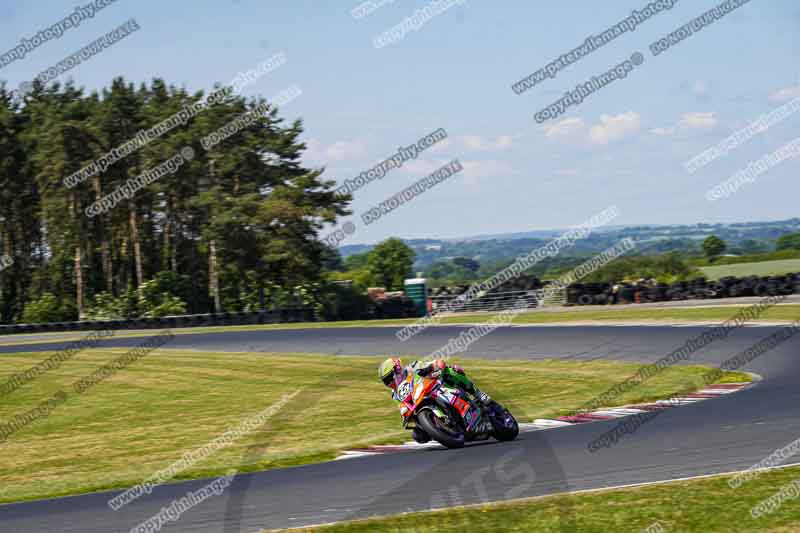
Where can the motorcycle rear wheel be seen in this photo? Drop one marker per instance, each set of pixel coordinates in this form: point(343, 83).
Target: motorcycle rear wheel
point(439, 432)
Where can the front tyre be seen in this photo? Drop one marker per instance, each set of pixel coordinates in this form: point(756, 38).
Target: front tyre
point(505, 425)
point(438, 431)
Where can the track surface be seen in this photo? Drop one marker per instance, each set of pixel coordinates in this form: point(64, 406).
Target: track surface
point(714, 436)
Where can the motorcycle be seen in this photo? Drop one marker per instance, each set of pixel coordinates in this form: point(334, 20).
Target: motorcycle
point(445, 415)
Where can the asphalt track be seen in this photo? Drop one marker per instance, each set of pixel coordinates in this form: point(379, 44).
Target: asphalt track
point(715, 436)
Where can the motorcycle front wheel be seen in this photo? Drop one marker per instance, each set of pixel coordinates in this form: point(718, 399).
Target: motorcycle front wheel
point(438, 431)
point(505, 426)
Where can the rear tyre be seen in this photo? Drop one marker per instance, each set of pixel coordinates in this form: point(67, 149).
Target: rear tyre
point(444, 435)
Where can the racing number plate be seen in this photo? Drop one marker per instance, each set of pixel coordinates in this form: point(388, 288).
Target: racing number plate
point(404, 390)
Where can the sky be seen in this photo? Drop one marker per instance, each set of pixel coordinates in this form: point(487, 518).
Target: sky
point(625, 145)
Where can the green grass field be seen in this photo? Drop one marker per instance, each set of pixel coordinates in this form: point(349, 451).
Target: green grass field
point(764, 268)
point(699, 506)
point(170, 402)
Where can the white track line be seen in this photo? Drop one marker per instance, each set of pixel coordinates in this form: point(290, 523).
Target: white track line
point(546, 423)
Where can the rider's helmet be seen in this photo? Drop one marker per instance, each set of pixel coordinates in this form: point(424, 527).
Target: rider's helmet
point(389, 369)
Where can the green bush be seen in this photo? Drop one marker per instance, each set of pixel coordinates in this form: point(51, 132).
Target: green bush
point(48, 308)
point(790, 241)
point(665, 268)
point(168, 305)
point(157, 297)
point(160, 296)
point(343, 302)
point(106, 306)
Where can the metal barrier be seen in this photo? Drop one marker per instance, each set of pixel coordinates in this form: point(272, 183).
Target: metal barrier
point(498, 301)
point(300, 314)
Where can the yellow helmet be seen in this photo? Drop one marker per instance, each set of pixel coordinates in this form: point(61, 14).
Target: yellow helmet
point(387, 370)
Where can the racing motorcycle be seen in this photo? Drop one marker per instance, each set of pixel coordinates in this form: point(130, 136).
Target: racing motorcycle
point(446, 415)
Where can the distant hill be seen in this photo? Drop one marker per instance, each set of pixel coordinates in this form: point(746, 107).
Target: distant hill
point(749, 236)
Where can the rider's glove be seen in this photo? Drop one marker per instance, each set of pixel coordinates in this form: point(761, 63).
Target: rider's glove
point(482, 397)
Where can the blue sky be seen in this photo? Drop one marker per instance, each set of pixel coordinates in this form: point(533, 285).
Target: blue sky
point(625, 145)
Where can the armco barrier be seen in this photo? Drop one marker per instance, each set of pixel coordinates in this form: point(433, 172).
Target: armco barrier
point(301, 314)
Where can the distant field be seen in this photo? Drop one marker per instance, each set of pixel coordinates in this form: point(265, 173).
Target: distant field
point(765, 268)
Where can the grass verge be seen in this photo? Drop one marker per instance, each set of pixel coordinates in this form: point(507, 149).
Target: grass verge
point(763, 268)
point(705, 505)
point(147, 415)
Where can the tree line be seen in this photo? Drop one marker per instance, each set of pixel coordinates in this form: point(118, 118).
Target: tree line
point(233, 228)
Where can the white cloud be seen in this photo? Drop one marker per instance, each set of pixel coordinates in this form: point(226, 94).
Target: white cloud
point(423, 167)
point(615, 128)
point(687, 122)
point(484, 176)
point(480, 144)
point(785, 94)
point(698, 120)
point(477, 176)
point(611, 128)
point(699, 88)
point(663, 131)
point(571, 129)
point(568, 172)
point(488, 168)
point(440, 146)
point(338, 151)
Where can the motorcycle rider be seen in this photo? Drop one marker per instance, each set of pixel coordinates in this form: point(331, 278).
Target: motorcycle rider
point(392, 372)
